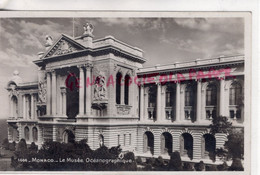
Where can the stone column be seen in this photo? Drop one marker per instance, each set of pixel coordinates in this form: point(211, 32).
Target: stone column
point(54, 97)
point(24, 107)
point(32, 106)
point(198, 109)
point(27, 107)
point(10, 106)
point(178, 101)
point(64, 103)
point(48, 105)
point(122, 96)
point(54, 133)
point(61, 103)
point(159, 104)
point(222, 98)
point(142, 102)
point(88, 90)
point(81, 90)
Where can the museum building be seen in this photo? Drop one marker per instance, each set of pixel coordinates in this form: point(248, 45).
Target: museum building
point(98, 90)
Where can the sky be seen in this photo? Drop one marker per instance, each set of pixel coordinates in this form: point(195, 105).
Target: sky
point(163, 40)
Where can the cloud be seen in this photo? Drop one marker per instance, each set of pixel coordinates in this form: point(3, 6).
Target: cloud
point(21, 40)
point(136, 24)
point(12, 58)
point(228, 25)
point(193, 23)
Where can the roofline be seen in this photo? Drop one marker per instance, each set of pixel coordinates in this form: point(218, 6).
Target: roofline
point(188, 64)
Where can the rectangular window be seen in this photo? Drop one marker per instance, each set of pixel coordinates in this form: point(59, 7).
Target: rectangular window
point(124, 139)
point(168, 99)
point(118, 139)
point(130, 139)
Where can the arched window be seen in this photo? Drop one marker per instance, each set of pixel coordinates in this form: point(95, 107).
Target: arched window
point(148, 142)
point(118, 88)
point(35, 134)
point(68, 137)
point(235, 93)
point(26, 134)
point(211, 95)
point(14, 106)
point(166, 143)
point(101, 140)
point(189, 95)
point(127, 84)
point(186, 145)
point(208, 146)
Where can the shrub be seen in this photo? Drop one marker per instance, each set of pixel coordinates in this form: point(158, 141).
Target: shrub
point(175, 162)
point(200, 166)
point(159, 162)
point(139, 160)
point(33, 148)
point(223, 167)
point(188, 166)
point(236, 165)
point(21, 149)
point(211, 168)
point(12, 146)
point(148, 167)
point(5, 144)
point(150, 161)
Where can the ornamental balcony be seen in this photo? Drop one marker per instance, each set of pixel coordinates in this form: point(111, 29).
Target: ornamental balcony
point(188, 111)
point(210, 112)
point(234, 112)
point(169, 113)
point(151, 113)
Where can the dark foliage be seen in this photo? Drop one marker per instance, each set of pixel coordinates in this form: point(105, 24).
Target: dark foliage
point(234, 146)
point(236, 165)
point(5, 143)
point(200, 166)
point(175, 163)
point(223, 167)
point(220, 124)
point(211, 168)
point(12, 146)
point(139, 160)
point(187, 166)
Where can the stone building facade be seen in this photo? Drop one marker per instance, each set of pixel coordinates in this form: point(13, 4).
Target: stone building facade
point(98, 90)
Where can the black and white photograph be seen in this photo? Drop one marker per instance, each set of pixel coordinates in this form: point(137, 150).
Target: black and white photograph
point(132, 92)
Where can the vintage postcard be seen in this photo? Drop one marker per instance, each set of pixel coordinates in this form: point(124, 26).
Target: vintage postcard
point(125, 91)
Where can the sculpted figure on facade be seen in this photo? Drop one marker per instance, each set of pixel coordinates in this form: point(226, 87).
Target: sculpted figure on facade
point(42, 91)
point(49, 40)
point(88, 29)
point(100, 91)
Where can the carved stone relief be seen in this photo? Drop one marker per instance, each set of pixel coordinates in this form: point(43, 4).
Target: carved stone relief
point(42, 91)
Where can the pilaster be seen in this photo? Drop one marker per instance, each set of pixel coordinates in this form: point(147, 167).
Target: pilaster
point(54, 97)
point(48, 105)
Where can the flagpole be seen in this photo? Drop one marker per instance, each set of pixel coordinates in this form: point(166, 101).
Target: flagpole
point(73, 27)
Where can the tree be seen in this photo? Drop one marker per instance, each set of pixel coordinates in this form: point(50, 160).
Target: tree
point(175, 163)
point(236, 165)
point(33, 148)
point(220, 125)
point(200, 166)
point(12, 146)
point(5, 143)
point(234, 146)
